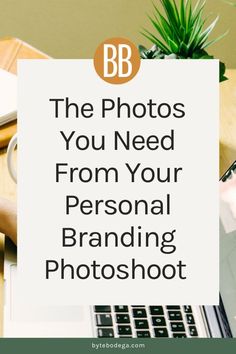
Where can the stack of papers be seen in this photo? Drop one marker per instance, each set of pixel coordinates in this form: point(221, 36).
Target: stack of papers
point(8, 97)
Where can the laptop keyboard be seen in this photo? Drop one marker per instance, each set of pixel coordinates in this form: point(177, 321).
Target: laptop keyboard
point(145, 321)
point(149, 321)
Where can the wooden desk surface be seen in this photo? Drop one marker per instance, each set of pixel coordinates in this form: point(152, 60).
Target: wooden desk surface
point(227, 153)
point(11, 49)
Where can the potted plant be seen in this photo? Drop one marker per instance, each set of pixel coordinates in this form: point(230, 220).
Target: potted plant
point(180, 33)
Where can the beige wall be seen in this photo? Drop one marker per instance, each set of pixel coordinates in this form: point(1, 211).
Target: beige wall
point(74, 28)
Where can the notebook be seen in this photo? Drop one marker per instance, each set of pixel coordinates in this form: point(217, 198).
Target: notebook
point(8, 97)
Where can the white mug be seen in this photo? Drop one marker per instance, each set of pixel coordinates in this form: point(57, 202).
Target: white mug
point(11, 147)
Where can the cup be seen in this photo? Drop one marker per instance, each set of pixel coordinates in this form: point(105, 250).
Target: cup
point(10, 164)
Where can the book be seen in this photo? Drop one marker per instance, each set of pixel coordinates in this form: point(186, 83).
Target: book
point(8, 97)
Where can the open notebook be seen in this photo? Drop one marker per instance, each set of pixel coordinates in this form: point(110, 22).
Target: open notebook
point(8, 97)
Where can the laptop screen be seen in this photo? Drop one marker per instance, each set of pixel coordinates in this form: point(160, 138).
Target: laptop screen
point(228, 249)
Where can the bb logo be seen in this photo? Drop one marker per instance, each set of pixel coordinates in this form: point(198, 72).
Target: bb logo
point(117, 60)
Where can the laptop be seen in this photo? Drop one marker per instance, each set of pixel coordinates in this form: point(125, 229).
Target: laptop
point(124, 321)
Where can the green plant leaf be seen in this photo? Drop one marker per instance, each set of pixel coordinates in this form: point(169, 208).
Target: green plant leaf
point(182, 13)
point(174, 47)
point(183, 48)
point(142, 51)
point(198, 10)
point(180, 25)
point(155, 40)
point(222, 72)
point(162, 31)
point(180, 29)
point(215, 40)
point(230, 3)
point(171, 14)
point(205, 34)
